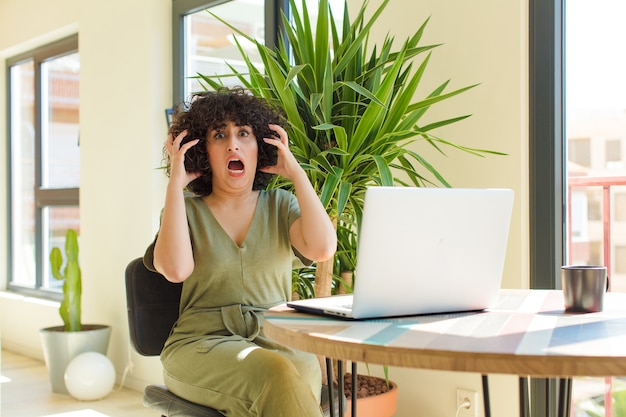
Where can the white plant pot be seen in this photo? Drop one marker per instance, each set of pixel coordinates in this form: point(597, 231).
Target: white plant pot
point(60, 347)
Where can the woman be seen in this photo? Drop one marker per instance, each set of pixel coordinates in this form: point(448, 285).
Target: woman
point(233, 245)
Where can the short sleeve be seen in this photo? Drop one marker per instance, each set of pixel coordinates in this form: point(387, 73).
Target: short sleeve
point(148, 257)
point(299, 260)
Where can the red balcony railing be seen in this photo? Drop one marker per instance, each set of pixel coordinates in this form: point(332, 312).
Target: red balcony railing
point(606, 183)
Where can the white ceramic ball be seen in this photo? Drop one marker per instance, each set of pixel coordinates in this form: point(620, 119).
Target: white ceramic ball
point(89, 376)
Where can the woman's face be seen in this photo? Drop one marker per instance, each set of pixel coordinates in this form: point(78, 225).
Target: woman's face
point(233, 154)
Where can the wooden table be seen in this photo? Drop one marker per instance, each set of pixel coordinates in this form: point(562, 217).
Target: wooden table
point(527, 334)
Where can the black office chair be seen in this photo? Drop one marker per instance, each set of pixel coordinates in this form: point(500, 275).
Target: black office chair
point(152, 303)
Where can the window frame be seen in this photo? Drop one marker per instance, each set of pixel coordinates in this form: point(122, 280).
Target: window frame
point(181, 8)
point(546, 142)
point(43, 197)
point(547, 181)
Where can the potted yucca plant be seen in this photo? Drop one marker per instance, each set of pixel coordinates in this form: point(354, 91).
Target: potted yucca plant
point(353, 118)
point(62, 343)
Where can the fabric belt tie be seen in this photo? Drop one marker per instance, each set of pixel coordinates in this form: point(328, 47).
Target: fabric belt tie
point(242, 322)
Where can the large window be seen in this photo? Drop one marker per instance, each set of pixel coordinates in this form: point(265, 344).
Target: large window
point(44, 160)
point(204, 45)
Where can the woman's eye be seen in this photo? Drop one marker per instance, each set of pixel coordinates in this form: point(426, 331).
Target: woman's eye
point(244, 133)
point(219, 135)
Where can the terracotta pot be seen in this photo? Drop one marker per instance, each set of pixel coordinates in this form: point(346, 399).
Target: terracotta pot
point(383, 405)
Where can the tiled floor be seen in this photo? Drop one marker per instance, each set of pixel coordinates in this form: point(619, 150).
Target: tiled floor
point(25, 392)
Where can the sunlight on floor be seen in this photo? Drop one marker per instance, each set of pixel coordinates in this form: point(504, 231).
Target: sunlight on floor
point(26, 392)
point(79, 413)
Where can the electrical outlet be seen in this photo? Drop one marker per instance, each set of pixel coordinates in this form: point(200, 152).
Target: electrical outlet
point(463, 395)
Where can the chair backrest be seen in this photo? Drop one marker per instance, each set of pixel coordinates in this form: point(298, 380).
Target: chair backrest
point(152, 303)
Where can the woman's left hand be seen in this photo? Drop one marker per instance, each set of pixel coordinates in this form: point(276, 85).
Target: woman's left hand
point(286, 164)
point(312, 234)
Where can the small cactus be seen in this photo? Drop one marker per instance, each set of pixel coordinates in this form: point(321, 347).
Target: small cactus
point(72, 286)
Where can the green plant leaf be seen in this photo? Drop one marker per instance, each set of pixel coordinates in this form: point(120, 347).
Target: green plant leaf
point(383, 168)
point(328, 189)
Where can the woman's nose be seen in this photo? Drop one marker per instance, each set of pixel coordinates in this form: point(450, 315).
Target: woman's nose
point(233, 143)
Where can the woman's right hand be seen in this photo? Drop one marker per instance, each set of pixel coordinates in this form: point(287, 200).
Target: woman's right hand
point(176, 152)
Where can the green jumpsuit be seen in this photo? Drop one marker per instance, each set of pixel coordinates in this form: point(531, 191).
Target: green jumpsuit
point(216, 354)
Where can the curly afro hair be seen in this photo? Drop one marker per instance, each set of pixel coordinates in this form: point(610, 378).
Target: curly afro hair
point(209, 110)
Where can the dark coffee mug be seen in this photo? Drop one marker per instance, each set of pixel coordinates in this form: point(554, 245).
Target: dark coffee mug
point(584, 287)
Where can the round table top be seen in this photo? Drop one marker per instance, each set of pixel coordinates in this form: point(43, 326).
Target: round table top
point(527, 333)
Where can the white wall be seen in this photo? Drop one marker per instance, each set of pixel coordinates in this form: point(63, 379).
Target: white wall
point(125, 49)
point(125, 53)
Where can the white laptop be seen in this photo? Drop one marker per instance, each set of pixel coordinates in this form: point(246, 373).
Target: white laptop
point(424, 251)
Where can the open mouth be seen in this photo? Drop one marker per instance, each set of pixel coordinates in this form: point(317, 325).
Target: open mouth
point(235, 165)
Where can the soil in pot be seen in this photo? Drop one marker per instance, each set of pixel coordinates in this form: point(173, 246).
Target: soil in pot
point(367, 386)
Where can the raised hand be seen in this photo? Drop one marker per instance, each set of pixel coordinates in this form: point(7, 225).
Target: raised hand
point(176, 153)
point(286, 164)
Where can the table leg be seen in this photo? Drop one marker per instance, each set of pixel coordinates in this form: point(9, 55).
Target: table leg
point(340, 387)
point(486, 402)
point(524, 397)
point(329, 380)
point(354, 389)
point(565, 397)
